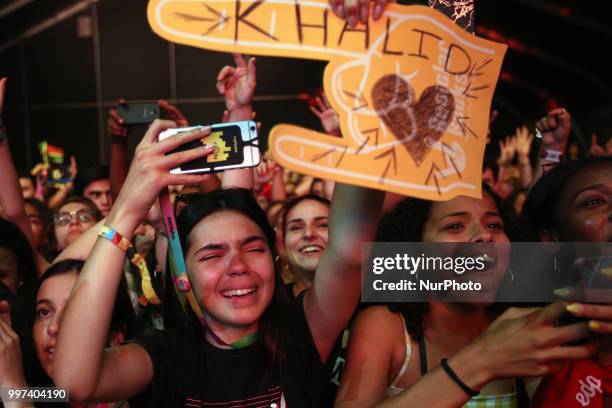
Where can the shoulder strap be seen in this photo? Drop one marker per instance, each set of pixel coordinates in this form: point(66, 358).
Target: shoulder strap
point(408, 355)
point(521, 393)
point(423, 355)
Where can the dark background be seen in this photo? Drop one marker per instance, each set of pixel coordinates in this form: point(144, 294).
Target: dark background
point(63, 80)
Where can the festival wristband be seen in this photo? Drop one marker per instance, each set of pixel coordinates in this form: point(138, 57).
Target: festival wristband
point(136, 259)
point(554, 156)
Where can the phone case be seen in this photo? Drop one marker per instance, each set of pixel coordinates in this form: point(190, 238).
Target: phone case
point(236, 144)
point(138, 113)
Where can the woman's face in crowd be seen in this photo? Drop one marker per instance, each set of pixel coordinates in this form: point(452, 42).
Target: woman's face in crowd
point(231, 269)
point(465, 219)
point(36, 223)
point(306, 234)
point(585, 206)
point(50, 303)
point(9, 269)
point(81, 219)
point(472, 220)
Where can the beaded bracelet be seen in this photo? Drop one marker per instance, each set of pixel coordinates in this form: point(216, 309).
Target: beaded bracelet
point(135, 258)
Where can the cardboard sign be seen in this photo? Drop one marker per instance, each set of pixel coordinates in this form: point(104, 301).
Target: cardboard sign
point(413, 90)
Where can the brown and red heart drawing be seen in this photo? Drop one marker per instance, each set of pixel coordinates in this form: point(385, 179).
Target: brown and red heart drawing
point(416, 123)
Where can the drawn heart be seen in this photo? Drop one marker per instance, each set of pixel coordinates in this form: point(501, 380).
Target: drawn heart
point(417, 124)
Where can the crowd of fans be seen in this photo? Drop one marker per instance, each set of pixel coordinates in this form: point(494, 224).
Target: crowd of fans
point(272, 262)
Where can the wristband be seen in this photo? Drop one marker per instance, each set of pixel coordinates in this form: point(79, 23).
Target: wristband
point(455, 378)
point(136, 259)
point(554, 156)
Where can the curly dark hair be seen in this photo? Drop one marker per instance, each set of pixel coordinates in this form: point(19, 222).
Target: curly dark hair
point(405, 223)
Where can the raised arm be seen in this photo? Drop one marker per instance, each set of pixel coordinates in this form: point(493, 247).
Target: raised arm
point(331, 301)
point(81, 365)
point(555, 128)
point(524, 140)
point(237, 85)
point(11, 198)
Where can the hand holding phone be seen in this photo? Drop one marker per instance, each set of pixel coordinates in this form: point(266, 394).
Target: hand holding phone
point(236, 147)
point(138, 113)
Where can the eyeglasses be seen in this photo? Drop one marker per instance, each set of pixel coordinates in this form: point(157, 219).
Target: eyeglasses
point(64, 218)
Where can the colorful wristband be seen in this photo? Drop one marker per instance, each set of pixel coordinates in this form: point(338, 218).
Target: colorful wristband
point(136, 259)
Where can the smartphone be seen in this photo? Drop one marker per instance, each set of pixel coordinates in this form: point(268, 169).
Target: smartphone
point(236, 147)
point(138, 113)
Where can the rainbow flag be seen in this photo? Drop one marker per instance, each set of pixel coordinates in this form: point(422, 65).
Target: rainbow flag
point(50, 153)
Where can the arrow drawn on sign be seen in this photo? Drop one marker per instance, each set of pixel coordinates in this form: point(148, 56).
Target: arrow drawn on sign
point(461, 121)
point(433, 173)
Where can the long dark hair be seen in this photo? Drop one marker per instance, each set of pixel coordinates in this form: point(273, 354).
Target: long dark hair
point(540, 212)
point(405, 223)
point(274, 318)
point(13, 240)
point(123, 317)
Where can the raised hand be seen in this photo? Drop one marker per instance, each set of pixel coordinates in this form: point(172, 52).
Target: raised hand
point(265, 172)
point(171, 112)
point(555, 127)
point(327, 115)
point(150, 172)
point(115, 123)
point(237, 84)
point(523, 140)
point(355, 11)
point(507, 150)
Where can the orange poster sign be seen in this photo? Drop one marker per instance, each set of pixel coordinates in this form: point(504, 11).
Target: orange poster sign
point(413, 91)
